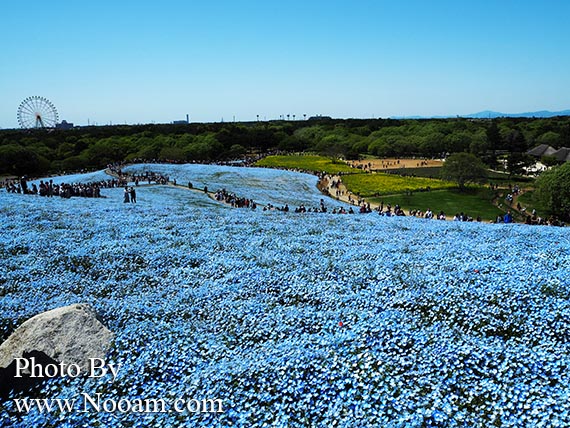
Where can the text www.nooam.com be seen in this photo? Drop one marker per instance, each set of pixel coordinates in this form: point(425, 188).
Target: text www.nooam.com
point(95, 403)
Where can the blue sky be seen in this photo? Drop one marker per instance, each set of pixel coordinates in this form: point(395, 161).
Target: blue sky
point(126, 61)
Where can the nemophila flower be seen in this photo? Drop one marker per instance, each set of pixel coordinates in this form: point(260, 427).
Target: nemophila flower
point(251, 307)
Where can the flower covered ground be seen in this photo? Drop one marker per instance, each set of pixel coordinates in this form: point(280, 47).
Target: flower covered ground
point(295, 319)
point(265, 186)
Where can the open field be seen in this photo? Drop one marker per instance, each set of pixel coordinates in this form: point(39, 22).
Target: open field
point(473, 202)
point(425, 172)
point(369, 185)
point(395, 163)
point(307, 163)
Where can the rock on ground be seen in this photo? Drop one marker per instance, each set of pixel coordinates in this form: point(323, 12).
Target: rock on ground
point(71, 335)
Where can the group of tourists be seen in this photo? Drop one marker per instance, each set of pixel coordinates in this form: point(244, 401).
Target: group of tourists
point(386, 211)
point(67, 190)
point(48, 188)
point(148, 177)
point(230, 198)
point(535, 220)
point(124, 178)
point(385, 165)
point(12, 185)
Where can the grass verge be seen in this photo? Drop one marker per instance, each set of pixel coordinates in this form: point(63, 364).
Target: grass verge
point(307, 163)
point(474, 202)
point(370, 185)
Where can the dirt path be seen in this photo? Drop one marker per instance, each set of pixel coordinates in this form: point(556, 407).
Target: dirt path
point(394, 163)
point(340, 192)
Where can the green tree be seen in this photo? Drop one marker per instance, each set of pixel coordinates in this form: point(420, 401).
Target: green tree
point(479, 145)
point(549, 160)
point(550, 138)
point(458, 141)
point(73, 163)
point(494, 142)
point(333, 146)
point(236, 151)
point(517, 162)
point(463, 168)
point(553, 190)
point(18, 160)
point(172, 154)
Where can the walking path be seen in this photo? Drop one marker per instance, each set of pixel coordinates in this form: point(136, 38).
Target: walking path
point(394, 163)
point(208, 192)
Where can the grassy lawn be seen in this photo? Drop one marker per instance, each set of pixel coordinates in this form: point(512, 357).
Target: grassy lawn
point(474, 202)
point(369, 185)
point(426, 172)
point(527, 200)
point(503, 179)
point(307, 163)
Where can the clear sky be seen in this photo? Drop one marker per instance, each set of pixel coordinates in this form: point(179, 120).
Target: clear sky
point(139, 61)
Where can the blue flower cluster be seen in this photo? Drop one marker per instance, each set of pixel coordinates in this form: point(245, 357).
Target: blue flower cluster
point(295, 320)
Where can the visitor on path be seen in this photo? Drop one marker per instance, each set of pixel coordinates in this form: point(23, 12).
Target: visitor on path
point(24, 184)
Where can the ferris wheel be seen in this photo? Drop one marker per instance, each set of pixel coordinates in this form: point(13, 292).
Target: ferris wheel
point(37, 112)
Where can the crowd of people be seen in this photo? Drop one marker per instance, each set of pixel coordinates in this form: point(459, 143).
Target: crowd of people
point(397, 211)
point(125, 178)
point(65, 190)
point(12, 185)
point(535, 220)
point(231, 199)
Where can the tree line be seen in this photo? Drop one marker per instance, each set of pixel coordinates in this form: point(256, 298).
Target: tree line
point(36, 152)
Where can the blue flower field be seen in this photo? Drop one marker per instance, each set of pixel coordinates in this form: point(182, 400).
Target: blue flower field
point(294, 320)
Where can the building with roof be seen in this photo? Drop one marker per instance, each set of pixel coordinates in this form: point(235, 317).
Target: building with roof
point(542, 150)
point(562, 154)
point(64, 125)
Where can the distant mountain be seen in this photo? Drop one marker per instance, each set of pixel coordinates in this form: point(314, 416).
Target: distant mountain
point(493, 114)
point(488, 114)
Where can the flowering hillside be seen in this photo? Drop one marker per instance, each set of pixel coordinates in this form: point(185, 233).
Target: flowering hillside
point(263, 185)
point(295, 319)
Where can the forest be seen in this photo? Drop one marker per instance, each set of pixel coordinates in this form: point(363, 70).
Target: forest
point(36, 152)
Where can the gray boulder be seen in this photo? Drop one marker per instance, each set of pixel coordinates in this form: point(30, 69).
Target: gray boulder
point(70, 335)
